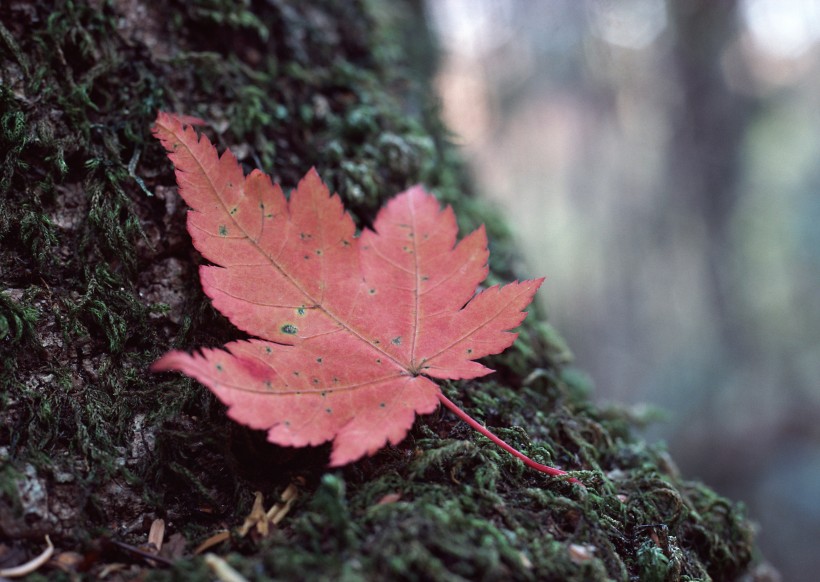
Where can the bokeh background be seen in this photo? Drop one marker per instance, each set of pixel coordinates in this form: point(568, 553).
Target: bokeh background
point(659, 162)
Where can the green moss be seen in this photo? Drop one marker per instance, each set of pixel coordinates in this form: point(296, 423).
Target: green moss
point(17, 322)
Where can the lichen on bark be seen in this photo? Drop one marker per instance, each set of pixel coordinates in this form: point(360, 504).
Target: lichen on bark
point(98, 278)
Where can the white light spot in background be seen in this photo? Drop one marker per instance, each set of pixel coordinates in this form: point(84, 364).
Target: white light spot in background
point(783, 28)
point(472, 27)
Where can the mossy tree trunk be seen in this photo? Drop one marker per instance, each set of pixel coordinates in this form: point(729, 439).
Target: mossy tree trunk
point(98, 278)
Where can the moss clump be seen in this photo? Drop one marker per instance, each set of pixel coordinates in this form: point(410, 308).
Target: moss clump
point(98, 278)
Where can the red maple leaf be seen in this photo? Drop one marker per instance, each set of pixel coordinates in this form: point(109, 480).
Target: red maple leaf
point(351, 329)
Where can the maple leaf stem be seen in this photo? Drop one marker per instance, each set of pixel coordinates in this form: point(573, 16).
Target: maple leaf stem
point(516, 453)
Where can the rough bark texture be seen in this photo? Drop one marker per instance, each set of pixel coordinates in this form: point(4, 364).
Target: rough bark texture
point(98, 278)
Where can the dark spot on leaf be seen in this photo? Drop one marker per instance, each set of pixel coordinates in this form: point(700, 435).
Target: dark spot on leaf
point(268, 384)
point(306, 257)
point(335, 380)
point(296, 374)
point(382, 404)
point(219, 367)
point(345, 243)
point(378, 360)
point(268, 350)
point(372, 291)
point(469, 351)
point(410, 235)
point(376, 342)
point(319, 252)
point(289, 329)
point(328, 410)
point(300, 311)
point(269, 215)
point(304, 235)
point(233, 210)
point(287, 423)
point(316, 381)
point(262, 205)
point(396, 341)
point(324, 393)
point(425, 278)
point(318, 360)
point(223, 230)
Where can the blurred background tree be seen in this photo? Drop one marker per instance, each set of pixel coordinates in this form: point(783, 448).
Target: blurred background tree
point(659, 163)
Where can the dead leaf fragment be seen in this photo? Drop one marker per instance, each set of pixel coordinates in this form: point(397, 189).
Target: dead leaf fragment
point(156, 535)
point(215, 539)
point(67, 561)
point(262, 520)
point(112, 568)
point(389, 498)
point(256, 518)
point(30, 566)
point(525, 561)
point(222, 570)
point(279, 510)
point(580, 553)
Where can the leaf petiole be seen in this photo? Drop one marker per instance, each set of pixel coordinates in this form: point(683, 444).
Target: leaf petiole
point(516, 453)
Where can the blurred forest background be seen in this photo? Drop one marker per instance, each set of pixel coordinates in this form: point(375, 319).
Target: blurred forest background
point(659, 162)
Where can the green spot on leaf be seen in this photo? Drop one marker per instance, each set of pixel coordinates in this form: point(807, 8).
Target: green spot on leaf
point(289, 329)
point(223, 230)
